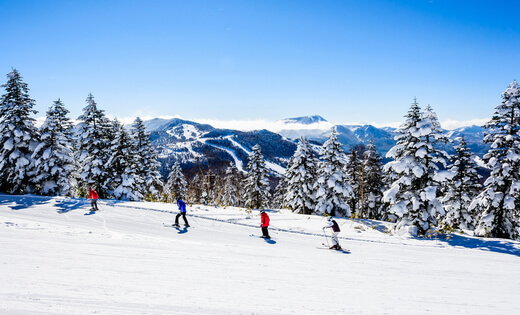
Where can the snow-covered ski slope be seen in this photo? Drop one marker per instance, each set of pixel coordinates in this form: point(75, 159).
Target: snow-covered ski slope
point(122, 260)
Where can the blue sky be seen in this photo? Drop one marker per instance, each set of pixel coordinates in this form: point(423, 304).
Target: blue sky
point(348, 61)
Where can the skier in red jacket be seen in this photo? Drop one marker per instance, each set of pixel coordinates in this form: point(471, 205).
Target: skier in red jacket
point(93, 197)
point(265, 224)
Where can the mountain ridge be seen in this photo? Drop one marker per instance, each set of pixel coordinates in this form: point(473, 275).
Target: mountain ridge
point(194, 144)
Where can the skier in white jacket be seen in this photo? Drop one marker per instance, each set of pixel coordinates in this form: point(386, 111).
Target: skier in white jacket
point(332, 224)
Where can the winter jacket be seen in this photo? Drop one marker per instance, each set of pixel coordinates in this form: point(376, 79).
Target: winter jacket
point(182, 206)
point(265, 219)
point(92, 194)
point(334, 225)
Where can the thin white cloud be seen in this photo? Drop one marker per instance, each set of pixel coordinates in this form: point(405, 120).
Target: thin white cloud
point(274, 126)
point(451, 124)
point(279, 125)
point(127, 121)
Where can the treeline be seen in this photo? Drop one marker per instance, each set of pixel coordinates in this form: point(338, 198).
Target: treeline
point(422, 188)
point(63, 159)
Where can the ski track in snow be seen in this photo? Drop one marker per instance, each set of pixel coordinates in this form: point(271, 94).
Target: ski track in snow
point(236, 222)
point(121, 260)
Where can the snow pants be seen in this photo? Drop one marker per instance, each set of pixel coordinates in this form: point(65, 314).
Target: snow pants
point(93, 203)
point(334, 238)
point(183, 216)
point(265, 232)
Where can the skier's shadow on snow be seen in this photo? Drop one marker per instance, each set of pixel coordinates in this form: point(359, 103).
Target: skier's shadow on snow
point(68, 205)
point(502, 246)
point(181, 230)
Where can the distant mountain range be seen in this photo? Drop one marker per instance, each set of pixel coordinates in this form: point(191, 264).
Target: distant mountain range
point(199, 146)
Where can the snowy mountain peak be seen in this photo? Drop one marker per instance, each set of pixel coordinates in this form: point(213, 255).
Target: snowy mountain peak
point(305, 120)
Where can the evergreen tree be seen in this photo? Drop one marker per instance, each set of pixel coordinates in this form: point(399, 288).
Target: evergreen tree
point(256, 184)
point(208, 196)
point(500, 199)
point(333, 191)
point(54, 158)
point(355, 178)
point(195, 189)
point(300, 178)
point(373, 183)
point(147, 164)
point(462, 188)
point(231, 194)
point(124, 183)
point(413, 195)
point(18, 135)
point(93, 148)
point(434, 159)
point(176, 186)
point(280, 194)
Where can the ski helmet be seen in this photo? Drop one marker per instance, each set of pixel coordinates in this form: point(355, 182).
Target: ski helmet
point(329, 219)
point(262, 211)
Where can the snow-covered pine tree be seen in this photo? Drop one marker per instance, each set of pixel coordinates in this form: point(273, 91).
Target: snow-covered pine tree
point(300, 178)
point(176, 186)
point(434, 159)
point(256, 184)
point(18, 136)
point(208, 188)
point(355, 176)
point(54, 157)
point(462, 188)
point(413, 195)
point(195, 189)
point(147, 164)
point(231, 194)
point(500, 199)
point(333, 191)
point(280, 194)
point(374, 183)
point(92, 148)
point(124, 181)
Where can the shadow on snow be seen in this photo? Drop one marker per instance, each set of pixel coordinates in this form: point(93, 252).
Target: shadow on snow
point(68, 205)
point(496, 245)
point(23, 201)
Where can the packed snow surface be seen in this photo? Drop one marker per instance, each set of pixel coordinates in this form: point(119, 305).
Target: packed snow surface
point(58, 259)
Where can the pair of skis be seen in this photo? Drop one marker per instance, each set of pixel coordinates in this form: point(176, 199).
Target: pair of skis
point(177, 226)
point(325, 246)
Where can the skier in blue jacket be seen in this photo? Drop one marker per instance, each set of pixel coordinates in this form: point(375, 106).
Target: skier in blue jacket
point(182, 211)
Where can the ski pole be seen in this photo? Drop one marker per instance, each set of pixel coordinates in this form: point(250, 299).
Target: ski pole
point(326, 238)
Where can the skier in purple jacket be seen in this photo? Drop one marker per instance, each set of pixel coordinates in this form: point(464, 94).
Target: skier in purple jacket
point(332, 224)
